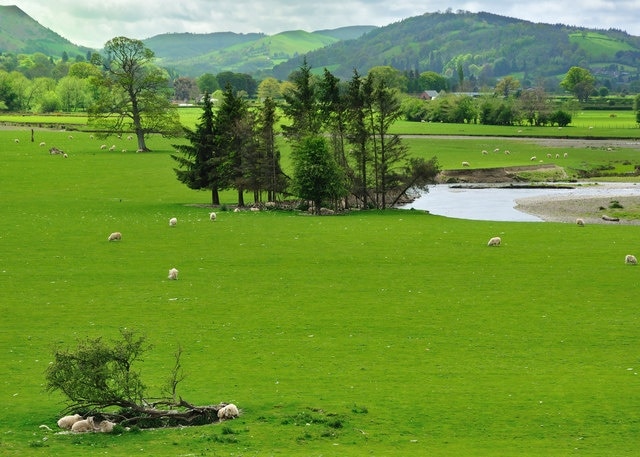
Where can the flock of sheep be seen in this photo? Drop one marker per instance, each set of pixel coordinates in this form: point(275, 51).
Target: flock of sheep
point(77, 423)
point(466, 164)
point(173, 273)
point(629, 259)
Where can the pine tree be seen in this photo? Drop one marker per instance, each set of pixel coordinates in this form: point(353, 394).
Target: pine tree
point(200, 166)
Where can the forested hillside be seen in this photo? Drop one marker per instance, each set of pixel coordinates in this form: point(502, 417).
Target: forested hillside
point(479, 47)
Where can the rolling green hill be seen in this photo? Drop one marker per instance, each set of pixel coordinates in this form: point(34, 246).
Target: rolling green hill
point(195, 54)
point(19, 33)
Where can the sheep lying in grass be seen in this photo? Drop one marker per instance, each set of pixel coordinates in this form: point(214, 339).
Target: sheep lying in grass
point(466, 164)
point(212, 216)
point(115, 236)
point(580, 221)
point(104, 426)
point(229, 411)
point(67, 422)
point(85, 425)
point(173, 221)
point(630, 259)
point(495, 241)
point(173, 274)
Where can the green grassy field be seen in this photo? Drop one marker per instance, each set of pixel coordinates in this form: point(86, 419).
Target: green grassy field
point(375, 333)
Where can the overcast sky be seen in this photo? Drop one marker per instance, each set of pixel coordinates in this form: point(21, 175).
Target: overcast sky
point(94, 22)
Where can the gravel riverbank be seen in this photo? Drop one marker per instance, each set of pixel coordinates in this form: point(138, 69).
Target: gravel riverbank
point(589, 204)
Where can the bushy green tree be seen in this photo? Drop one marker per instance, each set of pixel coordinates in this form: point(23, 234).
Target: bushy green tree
point(316, 175)
point(580, 82)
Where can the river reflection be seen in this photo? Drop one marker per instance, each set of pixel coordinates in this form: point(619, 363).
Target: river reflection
point(498, 203)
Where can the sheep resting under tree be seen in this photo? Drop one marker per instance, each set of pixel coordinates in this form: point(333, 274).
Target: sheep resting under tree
point(98, 378)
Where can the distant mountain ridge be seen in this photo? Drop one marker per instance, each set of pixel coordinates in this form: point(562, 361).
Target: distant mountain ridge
point(19, 33)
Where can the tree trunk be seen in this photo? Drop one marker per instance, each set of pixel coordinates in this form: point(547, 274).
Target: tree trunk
point(215, 197)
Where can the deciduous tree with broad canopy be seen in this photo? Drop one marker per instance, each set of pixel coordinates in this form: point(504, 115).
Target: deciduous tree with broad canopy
point(133, 94)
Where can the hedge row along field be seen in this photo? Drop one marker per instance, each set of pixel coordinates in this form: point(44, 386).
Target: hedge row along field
point(374, 333)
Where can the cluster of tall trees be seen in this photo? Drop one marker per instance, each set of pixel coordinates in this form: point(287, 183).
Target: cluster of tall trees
point(342, 151)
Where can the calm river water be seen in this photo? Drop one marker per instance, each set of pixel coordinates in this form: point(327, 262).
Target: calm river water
point(497, 204)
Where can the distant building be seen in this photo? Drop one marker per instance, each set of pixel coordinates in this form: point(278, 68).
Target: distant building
point(429, 94)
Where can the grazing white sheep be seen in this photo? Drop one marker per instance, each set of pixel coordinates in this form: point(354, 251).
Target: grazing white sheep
point(129, 137)
point(85, 425)
point(212, 216)
point(173, 221)
point(173, 274)
point(548, 156)
point(64, 155)
point(580, 221)
point(466, 164)
point(496, 150)
point(557, 156)
point(534, 158)
point(229, 411)
point(507, 152)
point(105, 426)
point(630, 259)
point(254, 208)
point(237, 210)
point(115, 236)
point(566, 154)
point(42, 143)
point(71, 137)
point(484, 152)
point(16, 140)
point(67, 422)
point(103, 146)
point(495, 241)
point(91, 136)
point(112, 148)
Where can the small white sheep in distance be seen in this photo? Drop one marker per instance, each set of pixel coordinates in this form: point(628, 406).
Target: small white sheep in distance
point(112, 147)
point(173, 274)
point(630, 259)
point(466, 164)
point(534, 158)
point(103, 146)
point(17, 140)
point(115, 236)
point(212, 216)
point(229, 411)
point(495, 241)
point(104, 426)
point(85, 425)
point(42, 143)
point(255, 208)
point(173, 221)
point(580, 221)
point(67, 422)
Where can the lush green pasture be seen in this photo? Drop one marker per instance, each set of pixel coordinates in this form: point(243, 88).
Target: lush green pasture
point(376, 333)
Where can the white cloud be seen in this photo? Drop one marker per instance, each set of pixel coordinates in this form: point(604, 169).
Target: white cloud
point(92, 23)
